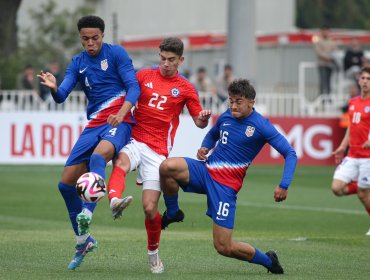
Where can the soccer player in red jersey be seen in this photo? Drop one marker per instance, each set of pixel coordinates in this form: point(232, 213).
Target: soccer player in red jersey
point(353, 172)
point(164, 93)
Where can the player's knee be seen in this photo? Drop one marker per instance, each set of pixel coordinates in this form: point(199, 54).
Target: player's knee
point(222, 248)
point(337, 189)
point(123, 164)
point(167, 167)
point(150, 210)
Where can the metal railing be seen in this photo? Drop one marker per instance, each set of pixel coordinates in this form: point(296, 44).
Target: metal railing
point(268, 103)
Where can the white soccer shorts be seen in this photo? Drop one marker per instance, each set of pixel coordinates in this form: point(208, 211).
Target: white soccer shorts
point(147, 163)
point(354, 169)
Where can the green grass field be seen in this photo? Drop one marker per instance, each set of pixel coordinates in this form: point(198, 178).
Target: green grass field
point(317, 235)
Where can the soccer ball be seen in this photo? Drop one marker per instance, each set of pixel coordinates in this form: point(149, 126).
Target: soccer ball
point(91, 187)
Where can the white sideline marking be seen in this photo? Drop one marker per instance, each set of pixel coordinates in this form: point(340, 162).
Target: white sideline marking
point(289, 207)
point(303, 208)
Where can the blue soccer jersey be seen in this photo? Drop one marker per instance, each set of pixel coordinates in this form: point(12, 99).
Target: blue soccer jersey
point(107, 79)
point(237, 142)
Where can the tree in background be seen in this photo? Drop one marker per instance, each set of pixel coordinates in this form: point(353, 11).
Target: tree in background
point(52, 36)
point(8, 37)
point(346, 14)
point(8, 26)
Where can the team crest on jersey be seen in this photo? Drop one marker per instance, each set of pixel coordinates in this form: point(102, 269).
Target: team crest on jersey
point(249, 131)
point(104, 64)
point(367, 109)
point(175, 92)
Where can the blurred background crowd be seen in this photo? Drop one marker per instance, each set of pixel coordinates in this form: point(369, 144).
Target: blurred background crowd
point(302, 56)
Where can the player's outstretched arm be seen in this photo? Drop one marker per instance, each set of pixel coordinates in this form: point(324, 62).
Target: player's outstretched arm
point(201, 120)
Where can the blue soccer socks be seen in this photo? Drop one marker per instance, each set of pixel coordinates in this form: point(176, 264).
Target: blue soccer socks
point(73, 203)
point(172, 205)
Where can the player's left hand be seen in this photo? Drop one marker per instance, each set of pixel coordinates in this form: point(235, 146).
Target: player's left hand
point(114, 120)
point(204, 115)
point(280, 194)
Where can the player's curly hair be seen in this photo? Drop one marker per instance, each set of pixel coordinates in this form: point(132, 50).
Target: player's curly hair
point(91, 22)
point(242, 87)
point(172, 44)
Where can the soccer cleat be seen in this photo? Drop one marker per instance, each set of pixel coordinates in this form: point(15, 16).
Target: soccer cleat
point(83, 222)
point(275, 268)
point(166, 220)
point(120, 205)
point(368, 233)
point(81, 251)
point(155, 263)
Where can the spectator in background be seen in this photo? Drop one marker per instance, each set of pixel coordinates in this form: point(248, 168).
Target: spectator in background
point(27, 79)
point(202, 82)
point(186, 73)
point(324, 49)
point(53, 68)
point(224, 81)
point(353, 60)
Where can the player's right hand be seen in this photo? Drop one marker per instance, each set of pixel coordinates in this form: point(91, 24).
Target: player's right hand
point(338, 155)
point(114, 120)
point(202, 153)
point(280, 194)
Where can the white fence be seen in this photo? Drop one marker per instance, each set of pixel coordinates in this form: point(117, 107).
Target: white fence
point(269, 103)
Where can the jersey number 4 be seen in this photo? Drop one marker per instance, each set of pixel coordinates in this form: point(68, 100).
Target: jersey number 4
point(157, 100)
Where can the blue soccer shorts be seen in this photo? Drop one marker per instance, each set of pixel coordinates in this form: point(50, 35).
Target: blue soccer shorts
point(90, 137)
point(221, 200)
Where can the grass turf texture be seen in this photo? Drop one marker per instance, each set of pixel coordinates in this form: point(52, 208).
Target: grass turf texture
point(317, 235)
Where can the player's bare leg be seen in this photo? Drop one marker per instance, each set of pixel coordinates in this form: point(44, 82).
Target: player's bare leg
point(173, 171)
point(226, 246)
point(153, 227)
point(341, 188)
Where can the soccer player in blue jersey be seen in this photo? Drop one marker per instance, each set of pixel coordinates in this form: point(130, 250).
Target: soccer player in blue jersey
point(235, 140)
point(107, 77)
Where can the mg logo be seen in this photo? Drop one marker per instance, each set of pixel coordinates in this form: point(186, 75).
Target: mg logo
point(315, 140)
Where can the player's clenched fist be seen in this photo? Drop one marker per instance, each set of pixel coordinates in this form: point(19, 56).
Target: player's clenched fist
point(202, 153)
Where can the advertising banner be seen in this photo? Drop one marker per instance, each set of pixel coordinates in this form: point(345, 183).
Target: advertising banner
point(48, 137)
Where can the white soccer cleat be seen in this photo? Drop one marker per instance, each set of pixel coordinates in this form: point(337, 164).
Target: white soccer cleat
point(368, 233)
point(120, 205)
point(155, 263)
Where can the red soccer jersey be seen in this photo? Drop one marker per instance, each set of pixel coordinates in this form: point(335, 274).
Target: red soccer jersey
point(159, 107)
point(359, 115)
